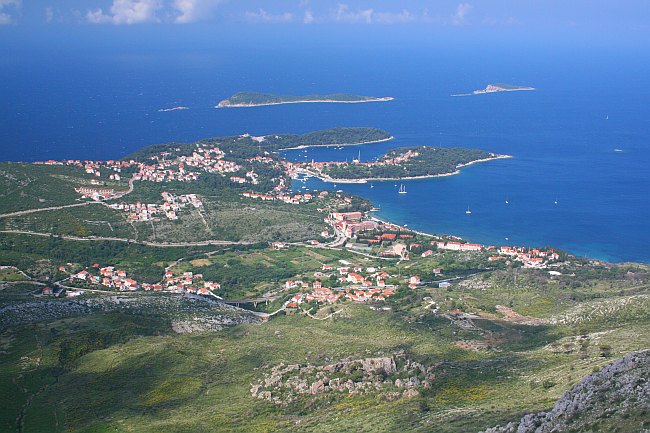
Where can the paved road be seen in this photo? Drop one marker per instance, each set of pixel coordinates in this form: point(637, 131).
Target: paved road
point(131, 241)
point(85, 203)
point(43, 209)
point(339, 239)
point(248, 301)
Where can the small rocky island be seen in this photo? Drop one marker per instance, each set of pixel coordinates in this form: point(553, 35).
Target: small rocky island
point(178, 108)
point(255, 99)
point(494, 88)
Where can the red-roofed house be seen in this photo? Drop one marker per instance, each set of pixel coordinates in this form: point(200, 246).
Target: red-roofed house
point(355, 278)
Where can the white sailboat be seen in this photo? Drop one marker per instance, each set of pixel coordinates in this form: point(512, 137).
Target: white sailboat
point(402, 189)
point(468, 211)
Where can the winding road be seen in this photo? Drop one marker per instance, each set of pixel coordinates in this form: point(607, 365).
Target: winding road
point(85, 203)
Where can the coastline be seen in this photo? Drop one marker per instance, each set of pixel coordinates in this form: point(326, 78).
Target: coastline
point(327, 178)
point(383, 221)
point(305, 146)
point(327, 101)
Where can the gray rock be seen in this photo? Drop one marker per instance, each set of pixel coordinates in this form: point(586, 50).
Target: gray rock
point(317, 387)
point(618, 388)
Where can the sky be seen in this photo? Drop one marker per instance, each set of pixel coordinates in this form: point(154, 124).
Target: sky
point(34, 23)
point(587, 14)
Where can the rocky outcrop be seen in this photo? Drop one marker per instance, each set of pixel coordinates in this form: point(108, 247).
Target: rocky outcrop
point(185, 313)
point(394, 376)
point(618, 390)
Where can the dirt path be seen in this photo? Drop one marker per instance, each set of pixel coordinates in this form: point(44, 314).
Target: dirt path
point(510, 315)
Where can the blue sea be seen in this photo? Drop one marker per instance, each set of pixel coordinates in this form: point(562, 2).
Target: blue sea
point(579, 178)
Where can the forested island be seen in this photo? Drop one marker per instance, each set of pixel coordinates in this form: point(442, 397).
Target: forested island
point(256, 99)
point(402, 163)
point(326, 137)
point(247, 146)
point(494, 88)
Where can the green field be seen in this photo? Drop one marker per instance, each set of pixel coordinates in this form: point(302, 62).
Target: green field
point(499, 342)
point(126, 370)
point(249, 274)
point(201, 383)
point(29, 186)
point(11, 275)
point(40, 257)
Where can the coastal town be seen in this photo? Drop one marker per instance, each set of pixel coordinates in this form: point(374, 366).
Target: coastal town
point(387, 245)
point(341, 281)
point(214, 218)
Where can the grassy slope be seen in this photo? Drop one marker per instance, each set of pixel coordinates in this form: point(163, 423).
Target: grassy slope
point(200, 382)
point(226, 216)
point(91, 220)
point(128, 374)
point(240, 219)
point(40, 256)
point(28, 186)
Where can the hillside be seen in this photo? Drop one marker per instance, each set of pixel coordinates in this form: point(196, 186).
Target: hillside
point(425, 360)
point(615, 399)
point(122, 285)
point(129, 199)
